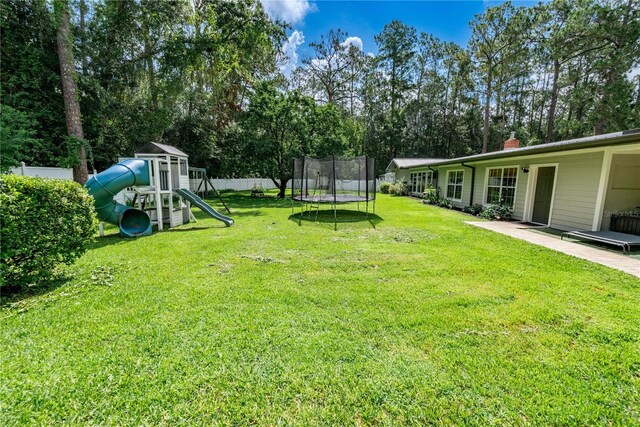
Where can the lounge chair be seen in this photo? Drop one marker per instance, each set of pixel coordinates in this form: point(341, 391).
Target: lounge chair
point(623, 240)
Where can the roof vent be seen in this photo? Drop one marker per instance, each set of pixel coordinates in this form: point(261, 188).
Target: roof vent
point(512, 143)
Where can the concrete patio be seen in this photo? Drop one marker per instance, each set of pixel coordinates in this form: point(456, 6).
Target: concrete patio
point(533, 234)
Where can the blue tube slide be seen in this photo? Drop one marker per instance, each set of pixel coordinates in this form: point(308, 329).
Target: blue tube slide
point(105, 185)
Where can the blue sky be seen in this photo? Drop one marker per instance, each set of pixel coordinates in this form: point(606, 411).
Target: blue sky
point(447, 20)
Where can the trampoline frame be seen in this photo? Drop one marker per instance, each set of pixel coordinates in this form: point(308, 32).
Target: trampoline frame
point(307, 203)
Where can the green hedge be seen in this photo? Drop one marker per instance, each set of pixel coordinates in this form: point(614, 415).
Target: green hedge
point(44, 222)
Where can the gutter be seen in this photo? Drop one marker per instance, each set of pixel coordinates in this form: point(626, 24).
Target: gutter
point(598, 141)
point(473, 180)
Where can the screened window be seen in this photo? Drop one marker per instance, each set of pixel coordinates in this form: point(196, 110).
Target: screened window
point(183, 168)
point(454, 185)
point(420, 181)
point(501, 186)
point(417, 182)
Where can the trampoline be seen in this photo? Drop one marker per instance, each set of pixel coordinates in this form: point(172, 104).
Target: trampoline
point(334, 181)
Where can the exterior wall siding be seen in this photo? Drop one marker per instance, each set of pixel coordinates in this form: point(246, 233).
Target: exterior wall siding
point(576, 190)
point(522, 180)
point(402, 175)
point(577, 180)
point(466, 184)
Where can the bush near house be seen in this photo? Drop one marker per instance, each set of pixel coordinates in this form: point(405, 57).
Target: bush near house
point(432, 196)
point(43, 222)
point(499, 212)
point(384, 187)
point(475, 209)
point(398, 189)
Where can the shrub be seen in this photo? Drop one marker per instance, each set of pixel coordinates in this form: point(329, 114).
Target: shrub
point(499, 212)
point(475, 209)
point(443, 202)
point(398, 189)
point(432, 196)
point(44, 222)
point(384, 187)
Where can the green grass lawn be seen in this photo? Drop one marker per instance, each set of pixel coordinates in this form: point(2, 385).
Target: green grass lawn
point(420, 320)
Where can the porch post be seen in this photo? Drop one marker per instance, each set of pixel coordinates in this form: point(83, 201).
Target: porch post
point(603, 184)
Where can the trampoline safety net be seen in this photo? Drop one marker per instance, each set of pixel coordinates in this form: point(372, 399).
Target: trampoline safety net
point(334, 180)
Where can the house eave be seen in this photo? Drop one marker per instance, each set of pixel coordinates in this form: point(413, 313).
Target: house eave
point(608, 140)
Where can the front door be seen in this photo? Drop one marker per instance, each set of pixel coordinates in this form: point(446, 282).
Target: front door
point(544, 192)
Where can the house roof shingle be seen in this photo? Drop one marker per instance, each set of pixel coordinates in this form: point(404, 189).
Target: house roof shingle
point(411, 163)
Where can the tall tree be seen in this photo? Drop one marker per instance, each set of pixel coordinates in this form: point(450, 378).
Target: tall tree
point(31, 79)
point(326, 68)
point(620, 26)
point(70, 92)
point(396, 45)
point(498, 38)
point(279, 127)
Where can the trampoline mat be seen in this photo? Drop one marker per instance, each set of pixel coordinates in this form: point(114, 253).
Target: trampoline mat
point(329, 198)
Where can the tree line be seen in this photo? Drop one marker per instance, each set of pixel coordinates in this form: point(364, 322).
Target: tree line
point(204, 76)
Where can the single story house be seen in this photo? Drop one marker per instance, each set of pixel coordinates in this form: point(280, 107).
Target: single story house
point(567, 185)
point(415, 173)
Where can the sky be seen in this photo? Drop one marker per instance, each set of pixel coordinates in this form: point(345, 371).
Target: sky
point(363, 19)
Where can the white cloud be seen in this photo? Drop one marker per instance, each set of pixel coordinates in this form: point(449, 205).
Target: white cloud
point(352, 41)
point(320, 64)
point(291, 11)
point(290, 52)
point(633, 73)
point(371, 55)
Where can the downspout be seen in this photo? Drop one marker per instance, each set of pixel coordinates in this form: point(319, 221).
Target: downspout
point(473, 180)
point(435, 171)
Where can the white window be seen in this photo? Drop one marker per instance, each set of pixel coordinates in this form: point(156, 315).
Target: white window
point(501, 185)
point(420, 181)
point(183, 168)
point(454, 185)
point(416, 182)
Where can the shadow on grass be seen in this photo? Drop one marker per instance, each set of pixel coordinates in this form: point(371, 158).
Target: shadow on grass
point(252, 212)
point(113, 238)
point(195, 228)
point(10, 295)
point(342, 216)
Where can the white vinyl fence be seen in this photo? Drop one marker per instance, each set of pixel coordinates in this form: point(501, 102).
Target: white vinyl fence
point(45, 172)
point(241, 184)
point(238, 184)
